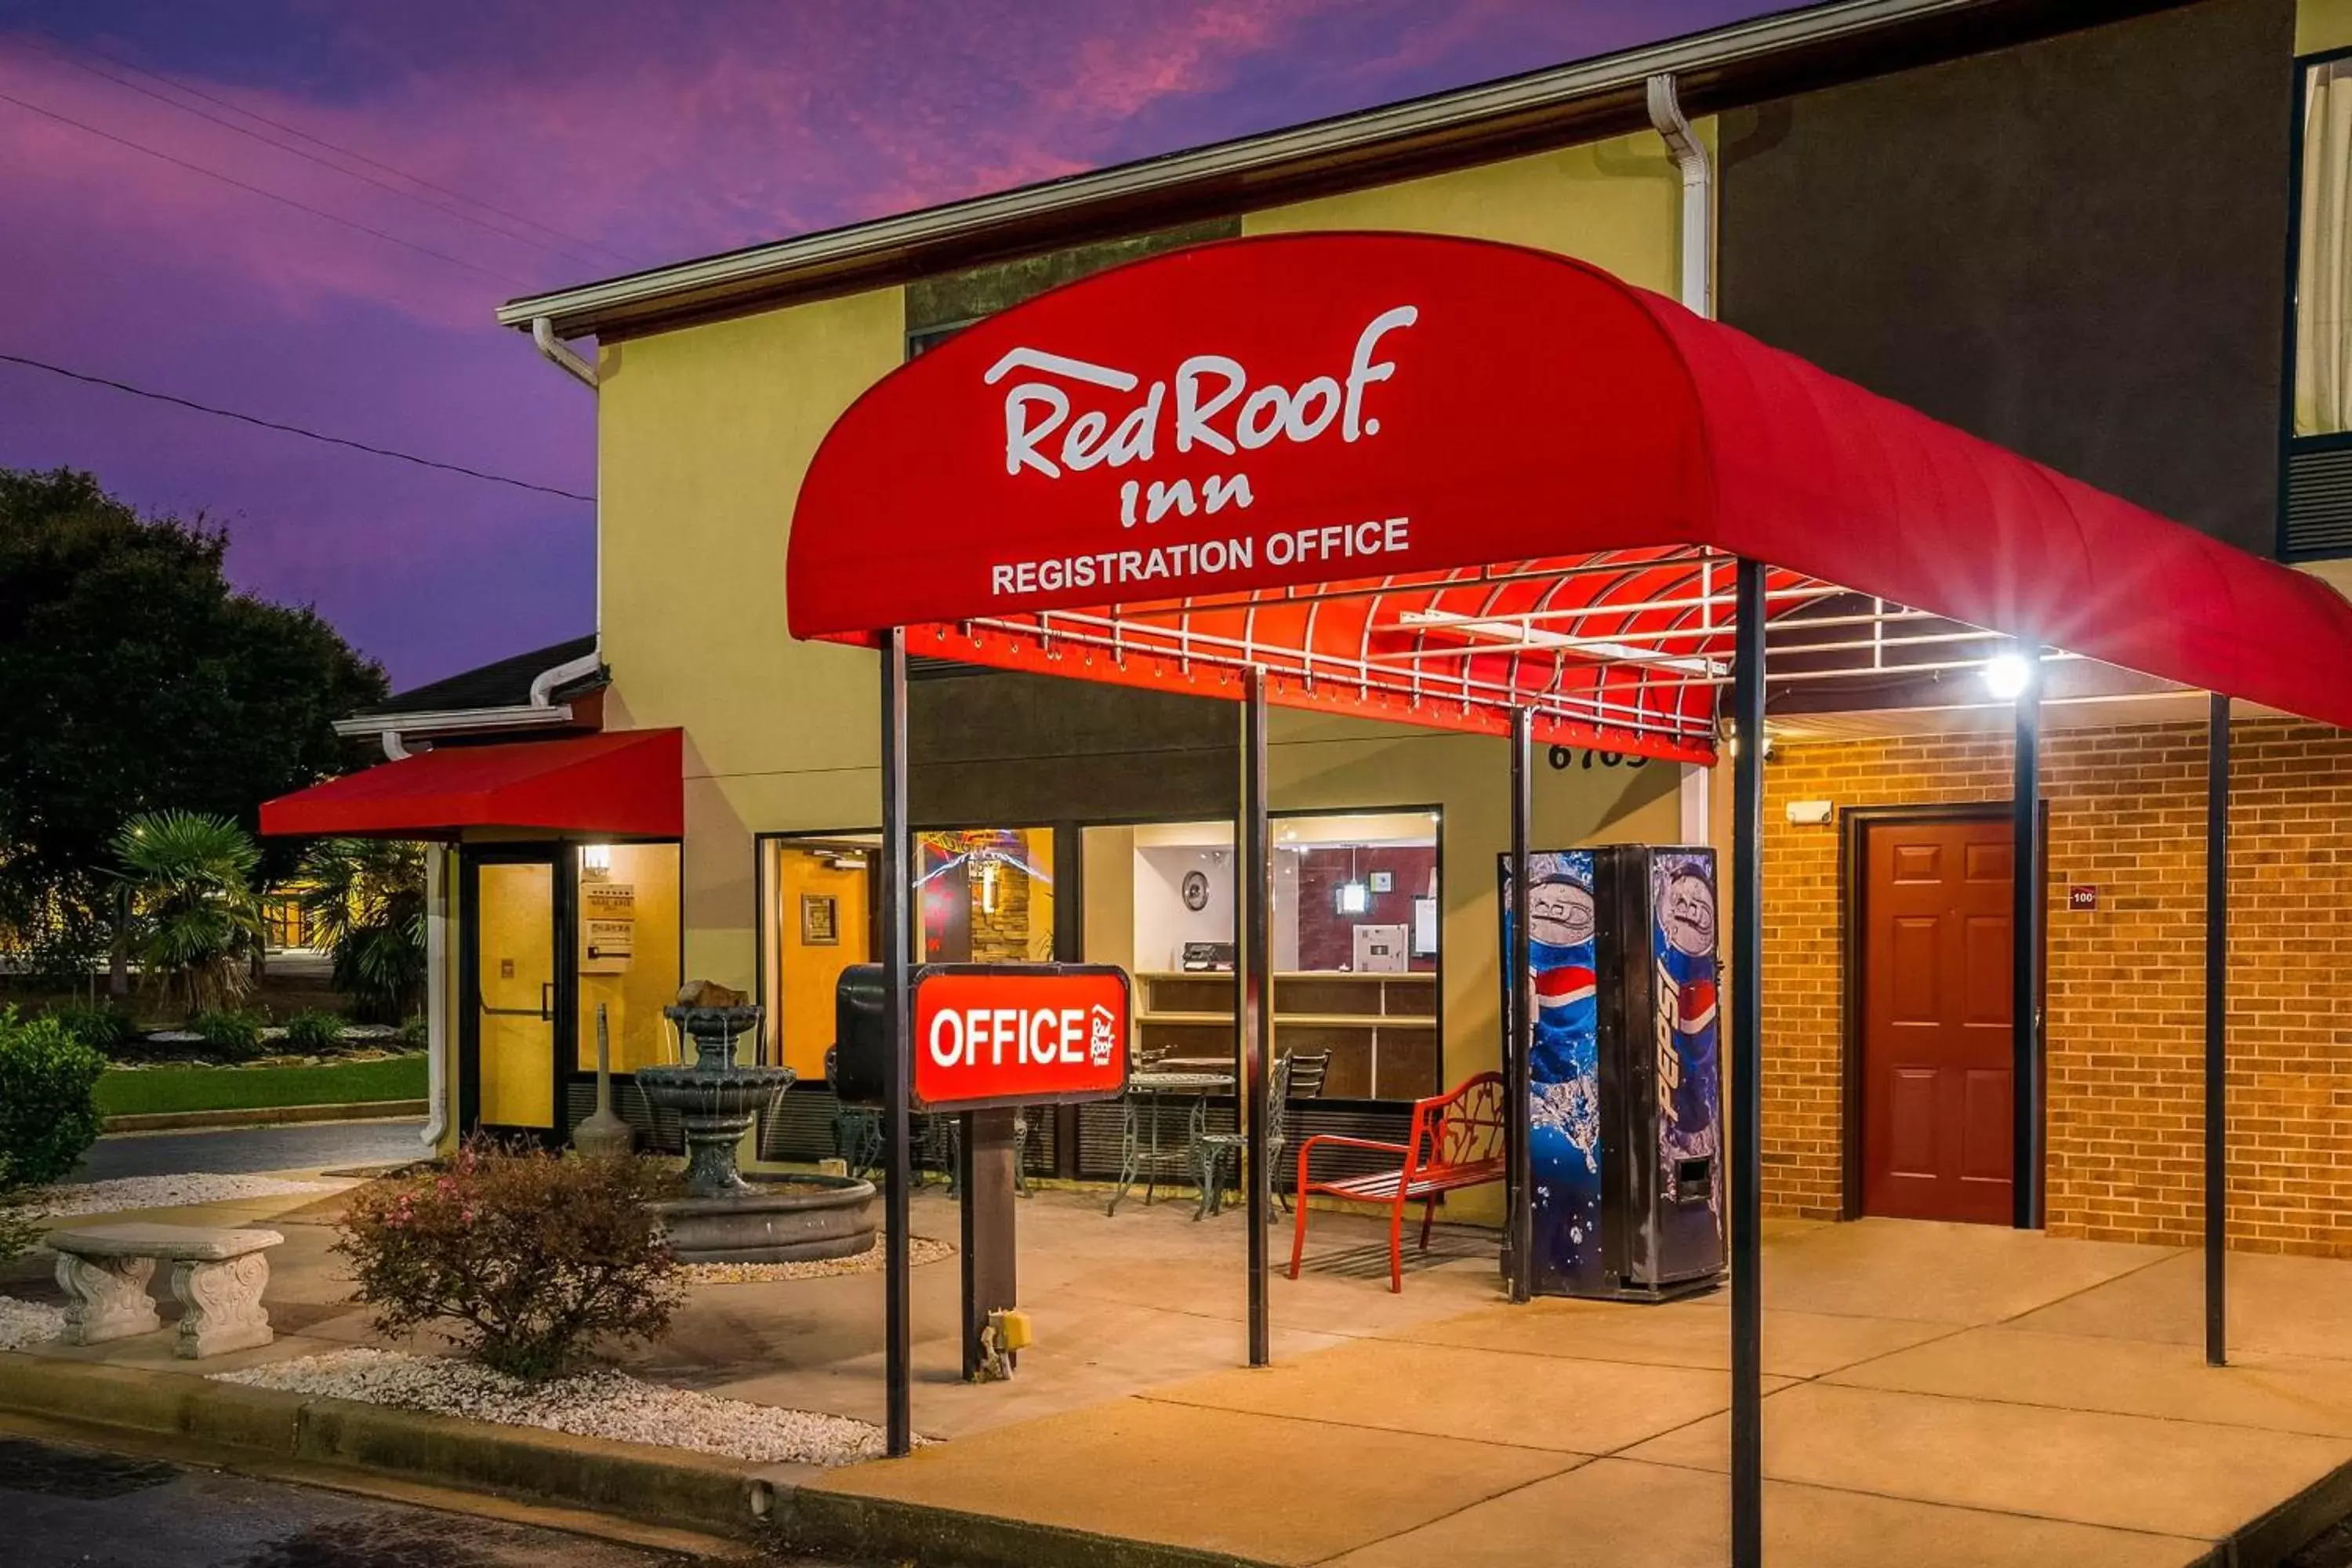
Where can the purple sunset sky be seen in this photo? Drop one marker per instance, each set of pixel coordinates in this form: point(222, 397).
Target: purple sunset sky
point(610, 135)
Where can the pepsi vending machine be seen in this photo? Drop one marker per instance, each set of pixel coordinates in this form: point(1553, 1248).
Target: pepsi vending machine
point(1625, 1079)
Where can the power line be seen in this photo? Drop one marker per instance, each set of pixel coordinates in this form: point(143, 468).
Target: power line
point(573, 246)
point(293, 429)
point(272, 195)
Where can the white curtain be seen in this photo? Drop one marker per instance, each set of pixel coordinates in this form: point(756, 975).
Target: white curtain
point(2323, 326)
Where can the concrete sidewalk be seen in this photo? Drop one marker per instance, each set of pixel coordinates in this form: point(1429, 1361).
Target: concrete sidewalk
point(1937, 1395)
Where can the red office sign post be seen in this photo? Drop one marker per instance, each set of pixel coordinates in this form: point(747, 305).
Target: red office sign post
point(984, 1041)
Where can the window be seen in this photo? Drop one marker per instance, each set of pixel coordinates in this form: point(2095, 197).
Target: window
point(1356, 922)
point(2323, 291)
point(986, 896)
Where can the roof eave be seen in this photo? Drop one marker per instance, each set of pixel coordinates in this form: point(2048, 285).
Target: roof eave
point(1746, 62)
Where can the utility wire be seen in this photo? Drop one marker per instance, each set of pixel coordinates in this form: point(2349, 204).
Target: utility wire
point(293, 429)
point(570, 247)
point(272, 195)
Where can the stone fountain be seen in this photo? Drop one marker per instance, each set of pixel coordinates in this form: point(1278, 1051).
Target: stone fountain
point(726, 1218)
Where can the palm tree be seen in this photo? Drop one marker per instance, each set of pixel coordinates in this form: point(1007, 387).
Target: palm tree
point(193, 914)
point(365, 900)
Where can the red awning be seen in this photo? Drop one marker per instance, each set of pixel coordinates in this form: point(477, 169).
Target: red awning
point(1437, 480)
point(626, 784)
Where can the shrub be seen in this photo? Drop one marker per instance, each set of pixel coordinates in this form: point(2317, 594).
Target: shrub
point(102, 1028)
point(314, 1031)
point(414, 1033)
point(235, 1036)
point(48, 1112)
point(528, 1258)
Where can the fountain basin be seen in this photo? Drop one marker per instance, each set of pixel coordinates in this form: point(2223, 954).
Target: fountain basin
point(774, 1219)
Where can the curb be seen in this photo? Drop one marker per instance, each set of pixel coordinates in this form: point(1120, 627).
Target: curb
point(654, 1486)
point(868, 1529)
point(267, 1115)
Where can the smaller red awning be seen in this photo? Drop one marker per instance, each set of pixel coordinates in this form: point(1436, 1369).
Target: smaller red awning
point(628, 784)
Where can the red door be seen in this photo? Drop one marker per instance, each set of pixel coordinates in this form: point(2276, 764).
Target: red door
point(1936, 1039)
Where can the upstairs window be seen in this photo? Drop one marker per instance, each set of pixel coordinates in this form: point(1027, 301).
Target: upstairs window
point(2323, 263)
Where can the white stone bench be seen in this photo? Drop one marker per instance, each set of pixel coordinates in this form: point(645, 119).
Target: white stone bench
point(217, 1275)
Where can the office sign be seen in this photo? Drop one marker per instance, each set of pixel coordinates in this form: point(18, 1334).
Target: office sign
point(989, 1035)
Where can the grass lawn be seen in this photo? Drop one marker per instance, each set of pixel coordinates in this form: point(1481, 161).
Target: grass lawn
point(153, 1089)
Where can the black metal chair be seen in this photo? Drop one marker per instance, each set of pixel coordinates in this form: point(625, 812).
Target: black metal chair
point(1297, 1075)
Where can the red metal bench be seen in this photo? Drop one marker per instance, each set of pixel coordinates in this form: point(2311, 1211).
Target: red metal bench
point(1456, 1142)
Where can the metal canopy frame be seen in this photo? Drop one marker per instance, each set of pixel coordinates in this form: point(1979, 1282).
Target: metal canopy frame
point(1623, 650)
point(1672, 653)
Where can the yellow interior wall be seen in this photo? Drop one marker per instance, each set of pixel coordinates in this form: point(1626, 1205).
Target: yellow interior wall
point(802, 995)
point(703, 436)
point(518, 907)
point(633, 998)
point(1108, 922)
point(2323, 25)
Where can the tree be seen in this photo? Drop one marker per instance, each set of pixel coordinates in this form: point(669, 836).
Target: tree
point(134, 678)
point(194, 918)
point(365, 897)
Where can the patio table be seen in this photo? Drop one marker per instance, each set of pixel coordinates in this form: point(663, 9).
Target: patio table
point(1139, 1151)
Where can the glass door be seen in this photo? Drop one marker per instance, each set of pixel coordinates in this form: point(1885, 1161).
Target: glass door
point(514, 995)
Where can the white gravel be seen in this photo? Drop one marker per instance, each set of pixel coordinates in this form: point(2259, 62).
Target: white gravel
point(162, 1192)
point(610, 1404)
point(25, 1323)
point(921, 1251)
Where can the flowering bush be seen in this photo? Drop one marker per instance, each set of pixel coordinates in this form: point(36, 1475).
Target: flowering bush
point(531, 1257)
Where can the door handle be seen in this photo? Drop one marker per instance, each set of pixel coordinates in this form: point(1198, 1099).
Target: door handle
point(547, 1000)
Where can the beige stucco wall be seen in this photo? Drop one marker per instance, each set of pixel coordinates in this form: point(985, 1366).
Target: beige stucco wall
point(703, 437)
point(706, 432)
point(2323, 25)
point(1612, 203)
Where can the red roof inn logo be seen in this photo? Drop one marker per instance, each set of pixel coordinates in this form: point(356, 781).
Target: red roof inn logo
point(1015, 1034)
point(1065, 415)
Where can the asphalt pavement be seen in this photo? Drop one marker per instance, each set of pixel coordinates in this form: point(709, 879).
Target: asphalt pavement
point(332, 1146)
point(70, 1507)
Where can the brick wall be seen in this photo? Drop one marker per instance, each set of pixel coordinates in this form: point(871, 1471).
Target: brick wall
point(2125, 982)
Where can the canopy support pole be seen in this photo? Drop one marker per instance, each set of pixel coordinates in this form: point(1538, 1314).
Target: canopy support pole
point(2217, 1029)
point(2025, 958)
point(1253, 888)
point(897, 1185)
point(1746, 1126)
point(1518, 1078)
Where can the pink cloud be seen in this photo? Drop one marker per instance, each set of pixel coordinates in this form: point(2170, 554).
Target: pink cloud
point(652, 133)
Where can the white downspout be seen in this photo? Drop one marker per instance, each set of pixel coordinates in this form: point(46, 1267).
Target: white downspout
point(1697, 170)
point(1698, 238)
point(543, 684)
point(437, 995)
point(560, 353)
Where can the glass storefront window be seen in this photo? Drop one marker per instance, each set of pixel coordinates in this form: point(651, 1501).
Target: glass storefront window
point(627, 951)
point(1356, 917)
point(986, 895)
